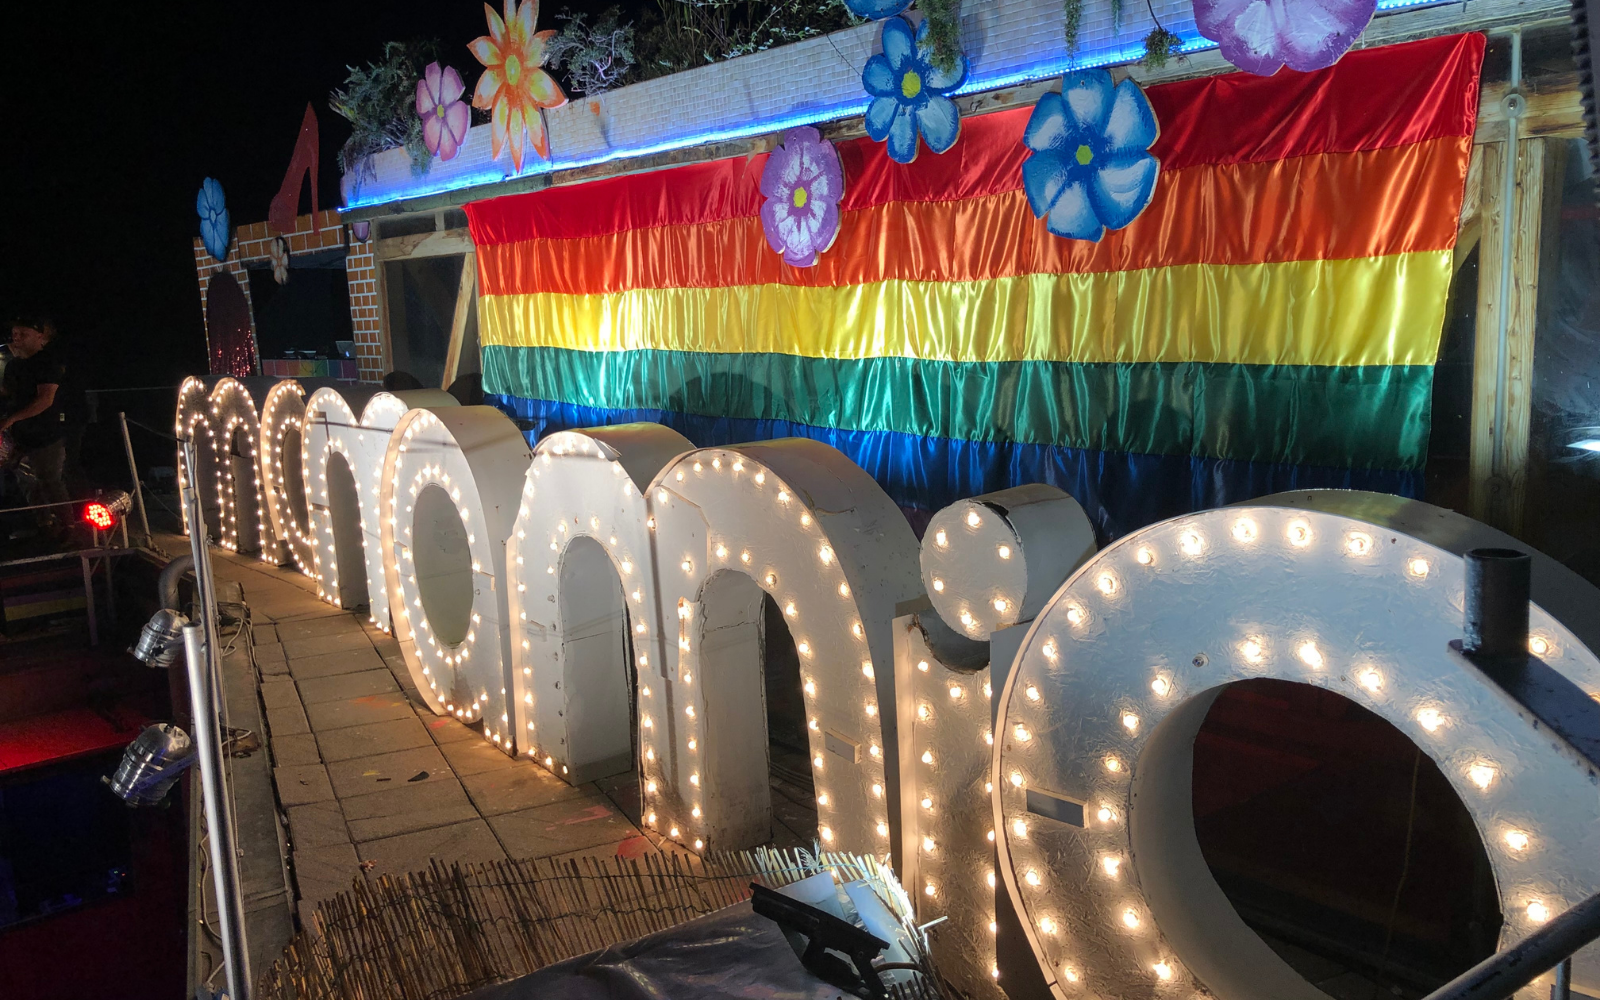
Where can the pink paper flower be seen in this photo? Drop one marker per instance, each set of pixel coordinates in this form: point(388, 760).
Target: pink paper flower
point(1260, 36)
point(803, 183)
point(445, 118)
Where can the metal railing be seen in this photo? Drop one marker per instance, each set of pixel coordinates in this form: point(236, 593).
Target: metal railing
point(1549, 947)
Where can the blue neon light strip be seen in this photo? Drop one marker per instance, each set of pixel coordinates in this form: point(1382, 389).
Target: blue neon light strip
point(496, 174)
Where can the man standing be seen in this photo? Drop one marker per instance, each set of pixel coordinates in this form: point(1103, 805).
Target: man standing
point(32, 415)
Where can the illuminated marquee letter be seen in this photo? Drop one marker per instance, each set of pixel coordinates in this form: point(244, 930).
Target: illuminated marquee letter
point(453, 476)
point(1098, 847)
point(282, 423)
point(584, 609)
point(241, 523)
point(371, 449)
point(798, 521)
point(988, 563)
point(342, 457)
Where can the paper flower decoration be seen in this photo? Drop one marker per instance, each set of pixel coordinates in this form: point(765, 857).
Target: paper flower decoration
point(215, 232)
point(513, 87)
point(278, 251)
point(1259, 36)
point(909, 93)
point(445, 118)
point(877, 10)
point(802, 184)
point(1091, 168)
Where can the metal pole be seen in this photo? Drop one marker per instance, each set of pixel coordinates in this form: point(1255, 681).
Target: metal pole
point(201, 645)
point(1561, 989)
point(133, 471)
point(1504, 973)
point(219, 815)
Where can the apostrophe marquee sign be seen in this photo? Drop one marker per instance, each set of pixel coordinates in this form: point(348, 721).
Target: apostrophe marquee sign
point(595, 603)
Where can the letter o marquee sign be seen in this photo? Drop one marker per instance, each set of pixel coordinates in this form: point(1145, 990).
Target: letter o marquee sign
point(1129, 656)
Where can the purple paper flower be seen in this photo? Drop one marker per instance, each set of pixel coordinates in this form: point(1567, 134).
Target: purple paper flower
point(803, 183)
point(445, 118)
point(1259, 36)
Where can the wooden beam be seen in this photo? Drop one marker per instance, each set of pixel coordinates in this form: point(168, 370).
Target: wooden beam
point(1540, 164)
point(435, 244)
point(1499, 454)
point(1486, 338)
point(466, 297)
point(1555, 109)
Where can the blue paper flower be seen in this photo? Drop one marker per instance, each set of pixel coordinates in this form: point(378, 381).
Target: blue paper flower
point(909, 91)
point(876, 9)
point(1091, 169)
point(215, 232)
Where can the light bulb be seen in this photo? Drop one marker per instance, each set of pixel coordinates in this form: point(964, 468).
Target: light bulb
point(1417, 568)
point(1482, 774)
point(1163, 970)
point(1161, 686)
point(1113, 764)
point(1019, 827)
point(1430, 719)
point(1111, 865)
point(1538, 912)
point(1252, 650)
point(1033, 879)
point(1016, 779)
point(1359, 543)
point(1517, 840)
point(1130, 722)
point(973, 520)
point(1130, 919)
point(1298, 533)
point(1538, 645)
point(1032, 693)
point(866, 669)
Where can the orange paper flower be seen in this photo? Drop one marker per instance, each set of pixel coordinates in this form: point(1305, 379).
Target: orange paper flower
point(513, 87)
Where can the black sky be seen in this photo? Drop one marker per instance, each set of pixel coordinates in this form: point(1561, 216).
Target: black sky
point(115, 114)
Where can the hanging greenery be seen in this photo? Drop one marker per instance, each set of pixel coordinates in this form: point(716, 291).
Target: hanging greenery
point(1072, 16)
point(944, 31)
point(380, 103)
point(1159, 46)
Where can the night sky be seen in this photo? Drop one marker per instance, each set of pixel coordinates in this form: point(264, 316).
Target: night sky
point(118, 111)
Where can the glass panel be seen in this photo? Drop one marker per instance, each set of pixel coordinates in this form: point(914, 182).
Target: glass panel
point(422, 303)
point(1562, 508)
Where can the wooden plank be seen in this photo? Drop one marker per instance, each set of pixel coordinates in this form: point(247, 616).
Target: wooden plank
point(466, 298)
point(1533, 174)
point(1470, 228)
point(1486, 340)
point(435, 244)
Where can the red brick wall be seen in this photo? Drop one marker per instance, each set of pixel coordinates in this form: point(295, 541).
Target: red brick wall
point(253, 243)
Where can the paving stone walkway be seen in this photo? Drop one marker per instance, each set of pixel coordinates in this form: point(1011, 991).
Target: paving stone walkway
point(371, 781)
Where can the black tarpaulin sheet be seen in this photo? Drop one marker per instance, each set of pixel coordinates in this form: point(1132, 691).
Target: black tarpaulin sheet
point(731, 954)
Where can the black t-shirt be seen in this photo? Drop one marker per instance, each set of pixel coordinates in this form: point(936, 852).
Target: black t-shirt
point(23, 378)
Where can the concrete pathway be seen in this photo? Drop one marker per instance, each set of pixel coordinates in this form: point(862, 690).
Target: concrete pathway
point(371, 781)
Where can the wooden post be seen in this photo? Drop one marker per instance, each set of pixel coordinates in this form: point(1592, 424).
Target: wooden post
point(1486, 343)
point(466, 297)
point(1499, 455)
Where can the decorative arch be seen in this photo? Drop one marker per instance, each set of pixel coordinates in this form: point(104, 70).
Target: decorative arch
point(241, 521)
point(369, 448)
point(1092, 774)
point(283, 476)
point(818, 535)
point(450, 500)
point(587, 484)
point(193, 420)
point(330, 460)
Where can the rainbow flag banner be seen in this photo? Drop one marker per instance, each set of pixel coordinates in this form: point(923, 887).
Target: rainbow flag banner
point(1270, 322)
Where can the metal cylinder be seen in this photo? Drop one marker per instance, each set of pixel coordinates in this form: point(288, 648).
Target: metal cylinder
point(151, 764)
point(1497, 603)
point(167, 582)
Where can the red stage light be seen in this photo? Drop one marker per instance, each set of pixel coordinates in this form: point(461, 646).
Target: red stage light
point(99, 515)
